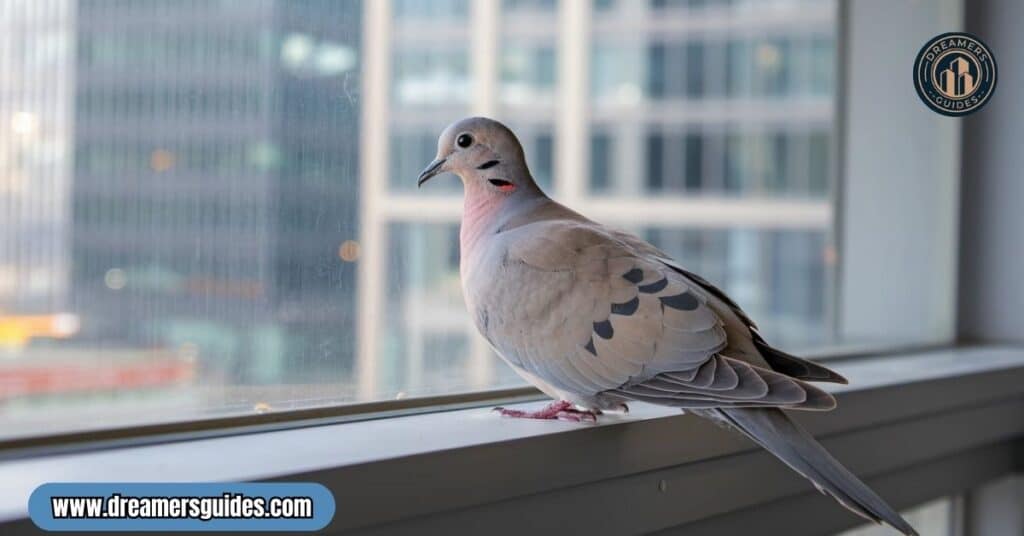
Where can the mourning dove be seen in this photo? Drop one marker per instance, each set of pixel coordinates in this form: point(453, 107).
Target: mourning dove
point(595, 318)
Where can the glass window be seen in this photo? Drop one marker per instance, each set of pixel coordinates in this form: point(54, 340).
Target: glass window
point(695, 77)
point(616, 75)
point(428, 75)
point(527, 75)
point(600, 161)
point(437, 9)
point(693, 154)
point(221, 218)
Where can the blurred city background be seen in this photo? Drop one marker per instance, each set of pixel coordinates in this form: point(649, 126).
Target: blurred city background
point(208, 206)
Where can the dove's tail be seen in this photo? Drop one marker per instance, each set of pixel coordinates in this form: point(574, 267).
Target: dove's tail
point(772, 429)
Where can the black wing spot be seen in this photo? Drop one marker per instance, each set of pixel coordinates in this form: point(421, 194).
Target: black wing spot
point(683, 302)
point(634, 276)
point(717, 292)
point(604, 329)
point(654, 287)
point(590, 347)
point(488, 164)
point(627, 308)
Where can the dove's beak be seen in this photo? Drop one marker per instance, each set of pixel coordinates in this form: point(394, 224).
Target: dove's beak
point(433, 169)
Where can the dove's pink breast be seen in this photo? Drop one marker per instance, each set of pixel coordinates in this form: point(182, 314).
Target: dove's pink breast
point(478, 216)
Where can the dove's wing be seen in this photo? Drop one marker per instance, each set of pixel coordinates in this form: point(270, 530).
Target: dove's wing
point(741, 332)
point(589, 313)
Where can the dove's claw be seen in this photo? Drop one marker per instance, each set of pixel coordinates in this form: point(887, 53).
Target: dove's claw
point(577, 416)
point(512, 413)
point(561, 410)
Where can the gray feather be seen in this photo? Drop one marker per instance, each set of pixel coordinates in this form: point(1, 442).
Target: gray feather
point(777, 433)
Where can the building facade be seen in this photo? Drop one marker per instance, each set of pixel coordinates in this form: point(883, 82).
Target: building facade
point(215, 150)
point(36, 96)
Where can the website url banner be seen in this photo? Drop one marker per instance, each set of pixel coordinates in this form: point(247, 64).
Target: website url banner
point(152, 506)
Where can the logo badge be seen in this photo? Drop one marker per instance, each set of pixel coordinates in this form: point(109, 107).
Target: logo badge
point(955, 74)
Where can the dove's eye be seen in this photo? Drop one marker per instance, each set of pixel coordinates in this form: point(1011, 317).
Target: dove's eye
point(464, 140)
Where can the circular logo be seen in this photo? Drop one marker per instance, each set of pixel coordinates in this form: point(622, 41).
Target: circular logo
point(955, 74)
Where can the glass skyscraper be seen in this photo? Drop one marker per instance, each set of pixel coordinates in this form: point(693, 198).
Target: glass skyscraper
point(214, 181)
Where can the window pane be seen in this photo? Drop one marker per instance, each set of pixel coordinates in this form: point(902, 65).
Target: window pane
point(208, 208)
point(527, 74)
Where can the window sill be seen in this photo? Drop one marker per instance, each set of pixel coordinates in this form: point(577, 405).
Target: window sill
point(915, 426)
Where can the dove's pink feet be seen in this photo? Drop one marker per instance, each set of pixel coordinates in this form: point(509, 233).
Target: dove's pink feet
point(561, 410)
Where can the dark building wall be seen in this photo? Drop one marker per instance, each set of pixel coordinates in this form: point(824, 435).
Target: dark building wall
point(214, 179)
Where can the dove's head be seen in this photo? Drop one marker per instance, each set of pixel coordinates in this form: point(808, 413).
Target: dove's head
point(486, 155)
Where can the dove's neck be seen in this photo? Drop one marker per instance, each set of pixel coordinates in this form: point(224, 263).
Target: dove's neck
point(485, 212)
point(478, 214)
